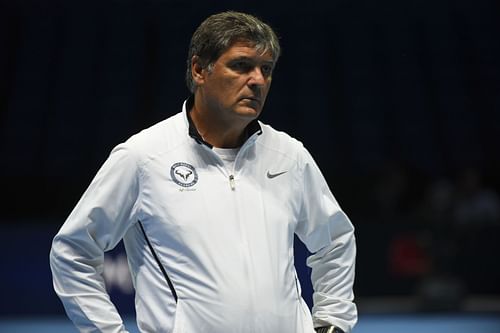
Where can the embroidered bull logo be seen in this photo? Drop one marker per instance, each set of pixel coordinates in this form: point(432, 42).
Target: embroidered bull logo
point(183, 174)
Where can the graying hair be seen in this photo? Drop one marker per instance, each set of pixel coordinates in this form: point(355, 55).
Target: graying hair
point(218, 32)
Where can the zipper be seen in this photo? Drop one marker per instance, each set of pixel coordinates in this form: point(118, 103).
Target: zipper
point(232, 182)
point(250, 141)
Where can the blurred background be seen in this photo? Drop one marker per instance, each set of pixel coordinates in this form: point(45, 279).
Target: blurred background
point(398, 101)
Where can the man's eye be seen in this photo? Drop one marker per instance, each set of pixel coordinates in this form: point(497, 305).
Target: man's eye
point(241, 66)
point(266, 70)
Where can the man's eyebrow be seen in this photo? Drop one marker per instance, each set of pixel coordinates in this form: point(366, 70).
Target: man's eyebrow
point(250, 59)
point(240, 58)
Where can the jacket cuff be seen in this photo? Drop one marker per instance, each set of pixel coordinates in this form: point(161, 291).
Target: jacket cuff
point(329, 329)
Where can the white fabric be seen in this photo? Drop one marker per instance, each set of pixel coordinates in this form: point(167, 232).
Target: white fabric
point(228, 251)
point(228, 156)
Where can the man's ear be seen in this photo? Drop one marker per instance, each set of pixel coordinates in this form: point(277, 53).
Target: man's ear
point(197, 71)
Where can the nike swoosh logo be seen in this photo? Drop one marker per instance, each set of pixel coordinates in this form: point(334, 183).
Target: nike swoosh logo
point(273, 175)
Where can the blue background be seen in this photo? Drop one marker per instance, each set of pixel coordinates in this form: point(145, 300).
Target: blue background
point(398, 102)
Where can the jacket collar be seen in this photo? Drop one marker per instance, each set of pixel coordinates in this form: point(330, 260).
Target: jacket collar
point(252, 128)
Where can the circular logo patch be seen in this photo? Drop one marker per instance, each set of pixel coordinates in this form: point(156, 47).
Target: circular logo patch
point(183, 174)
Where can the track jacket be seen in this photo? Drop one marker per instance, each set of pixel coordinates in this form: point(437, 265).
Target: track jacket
point(210, 250)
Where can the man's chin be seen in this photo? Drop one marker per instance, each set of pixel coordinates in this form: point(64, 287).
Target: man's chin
point(248, 112)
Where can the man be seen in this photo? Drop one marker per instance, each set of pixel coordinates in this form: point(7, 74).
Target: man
point(207, 203)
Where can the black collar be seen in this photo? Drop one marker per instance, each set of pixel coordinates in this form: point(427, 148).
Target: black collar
point(252, 128)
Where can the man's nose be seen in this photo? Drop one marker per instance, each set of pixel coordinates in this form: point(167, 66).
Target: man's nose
point(256, 77)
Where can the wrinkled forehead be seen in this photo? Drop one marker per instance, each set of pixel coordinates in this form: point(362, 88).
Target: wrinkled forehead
point(260, 47)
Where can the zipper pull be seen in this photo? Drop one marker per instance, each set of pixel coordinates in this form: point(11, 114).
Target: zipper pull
point(231, 182)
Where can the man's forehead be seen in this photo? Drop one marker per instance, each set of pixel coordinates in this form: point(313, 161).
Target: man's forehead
point(248, 49)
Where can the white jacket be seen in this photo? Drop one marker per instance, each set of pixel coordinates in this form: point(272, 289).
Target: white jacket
point(209, 249)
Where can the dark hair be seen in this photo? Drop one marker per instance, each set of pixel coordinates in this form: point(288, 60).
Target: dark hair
point(219, 31)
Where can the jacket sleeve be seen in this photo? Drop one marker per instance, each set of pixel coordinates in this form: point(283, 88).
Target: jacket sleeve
point(327, 233)
point(97, 223)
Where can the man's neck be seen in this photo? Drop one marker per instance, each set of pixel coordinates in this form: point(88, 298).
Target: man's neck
point(215, 131)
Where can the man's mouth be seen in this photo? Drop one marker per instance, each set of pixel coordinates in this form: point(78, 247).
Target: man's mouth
point(252, 100)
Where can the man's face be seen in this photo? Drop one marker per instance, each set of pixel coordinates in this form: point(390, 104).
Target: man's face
point(237, 84)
